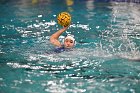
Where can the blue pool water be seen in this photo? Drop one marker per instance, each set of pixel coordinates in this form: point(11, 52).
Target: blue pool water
point(106, 58)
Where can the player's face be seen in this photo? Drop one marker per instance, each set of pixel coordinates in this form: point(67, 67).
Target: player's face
point(68, 43)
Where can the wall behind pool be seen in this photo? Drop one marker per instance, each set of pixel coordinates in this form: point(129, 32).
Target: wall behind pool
point(133, 1)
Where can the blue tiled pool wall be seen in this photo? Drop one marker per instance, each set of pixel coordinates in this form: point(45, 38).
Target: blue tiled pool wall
point(129, 1)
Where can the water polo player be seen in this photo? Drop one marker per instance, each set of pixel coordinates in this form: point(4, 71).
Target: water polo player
point(67, 44)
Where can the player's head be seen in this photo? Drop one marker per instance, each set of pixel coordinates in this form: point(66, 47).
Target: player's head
point(69, 41)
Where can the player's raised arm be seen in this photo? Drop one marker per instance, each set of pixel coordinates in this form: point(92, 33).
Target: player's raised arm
point(54, 37)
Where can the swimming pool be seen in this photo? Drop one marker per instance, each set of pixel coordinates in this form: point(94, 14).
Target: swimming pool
point(106, 58)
